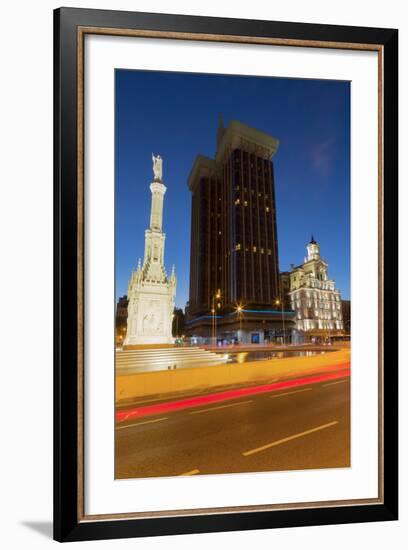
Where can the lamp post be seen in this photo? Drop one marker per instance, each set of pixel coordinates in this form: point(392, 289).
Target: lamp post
point(216, 296)
point(239, 311)
point(280, 302)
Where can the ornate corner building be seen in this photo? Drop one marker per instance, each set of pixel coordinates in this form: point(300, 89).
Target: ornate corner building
point(313, 296)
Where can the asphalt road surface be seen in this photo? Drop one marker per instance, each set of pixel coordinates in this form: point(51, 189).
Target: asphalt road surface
point(293, 429)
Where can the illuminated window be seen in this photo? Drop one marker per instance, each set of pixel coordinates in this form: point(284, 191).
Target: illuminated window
point(237, 201)
point(269, 251)
point(254, 248)
point(245, 203)
point(238, 246)
point(262, 251)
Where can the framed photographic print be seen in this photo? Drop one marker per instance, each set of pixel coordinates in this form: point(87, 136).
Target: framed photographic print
point(225, 274)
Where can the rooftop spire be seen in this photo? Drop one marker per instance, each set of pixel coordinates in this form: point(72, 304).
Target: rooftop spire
point(312, 241)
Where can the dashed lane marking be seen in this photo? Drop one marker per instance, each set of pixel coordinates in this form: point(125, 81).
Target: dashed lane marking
point(289, 438)
point(141, 423)
point(333, 383)
point(220, 407)
point(289, 393)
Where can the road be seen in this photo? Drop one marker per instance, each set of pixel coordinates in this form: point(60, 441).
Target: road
point(293, 429)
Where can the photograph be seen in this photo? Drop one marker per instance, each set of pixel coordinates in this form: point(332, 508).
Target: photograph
point(232, 303)
point(225, 271)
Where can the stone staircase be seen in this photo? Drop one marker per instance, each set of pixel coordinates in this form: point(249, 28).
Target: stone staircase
point(166, 358)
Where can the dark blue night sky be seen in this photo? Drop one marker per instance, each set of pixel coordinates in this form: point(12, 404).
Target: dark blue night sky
point(176, 115)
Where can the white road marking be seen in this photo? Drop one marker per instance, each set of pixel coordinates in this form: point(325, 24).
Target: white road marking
point(289, 393)
point(165, 399)
point(220, 407)
point(333, 383)
point(141, 423)
point(289, 438)
point(190, 473)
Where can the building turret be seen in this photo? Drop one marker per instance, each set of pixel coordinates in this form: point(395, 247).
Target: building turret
point(313, 250)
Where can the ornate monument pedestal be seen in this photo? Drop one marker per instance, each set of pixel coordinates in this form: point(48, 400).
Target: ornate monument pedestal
point(150, 292)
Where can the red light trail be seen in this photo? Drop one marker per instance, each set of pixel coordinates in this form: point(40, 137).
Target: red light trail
point(342, 371)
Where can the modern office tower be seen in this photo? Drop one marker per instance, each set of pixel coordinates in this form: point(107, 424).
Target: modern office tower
point(234, 268)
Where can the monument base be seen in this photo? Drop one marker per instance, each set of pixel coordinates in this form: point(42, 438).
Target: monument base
point(147, 341)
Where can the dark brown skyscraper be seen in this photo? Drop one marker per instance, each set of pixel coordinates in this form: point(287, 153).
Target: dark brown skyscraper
point(234, 246)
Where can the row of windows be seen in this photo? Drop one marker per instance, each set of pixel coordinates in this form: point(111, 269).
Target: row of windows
point(316, 304)
point(310, 324)
point(265, 196)
point(317, 315)
point(261, 161)
point(319, 295)
point(245, 203)
point(253, 249)
point(326, 304)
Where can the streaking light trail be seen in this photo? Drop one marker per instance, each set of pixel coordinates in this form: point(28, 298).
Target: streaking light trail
point(169, 406)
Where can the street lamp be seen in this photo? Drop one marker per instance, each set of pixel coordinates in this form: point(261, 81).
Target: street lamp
point(239, 311)
point(280, 302)
point(216, 296)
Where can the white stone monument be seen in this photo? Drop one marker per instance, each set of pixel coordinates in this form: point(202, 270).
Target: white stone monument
point(150, 292)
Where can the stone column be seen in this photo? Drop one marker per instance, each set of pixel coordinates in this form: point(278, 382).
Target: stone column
point(156, 214)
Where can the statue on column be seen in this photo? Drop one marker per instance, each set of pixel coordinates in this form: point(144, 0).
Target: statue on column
point(157, 167)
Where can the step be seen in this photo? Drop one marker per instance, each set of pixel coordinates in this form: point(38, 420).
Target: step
point(169, 360)
point(148, 354)
point(165, 355)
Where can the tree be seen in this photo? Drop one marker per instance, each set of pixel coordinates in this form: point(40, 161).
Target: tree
point(178, 327)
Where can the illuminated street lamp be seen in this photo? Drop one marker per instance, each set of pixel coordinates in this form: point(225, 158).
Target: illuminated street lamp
point(280, 302)
point(239, 311)
point(216, 296)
